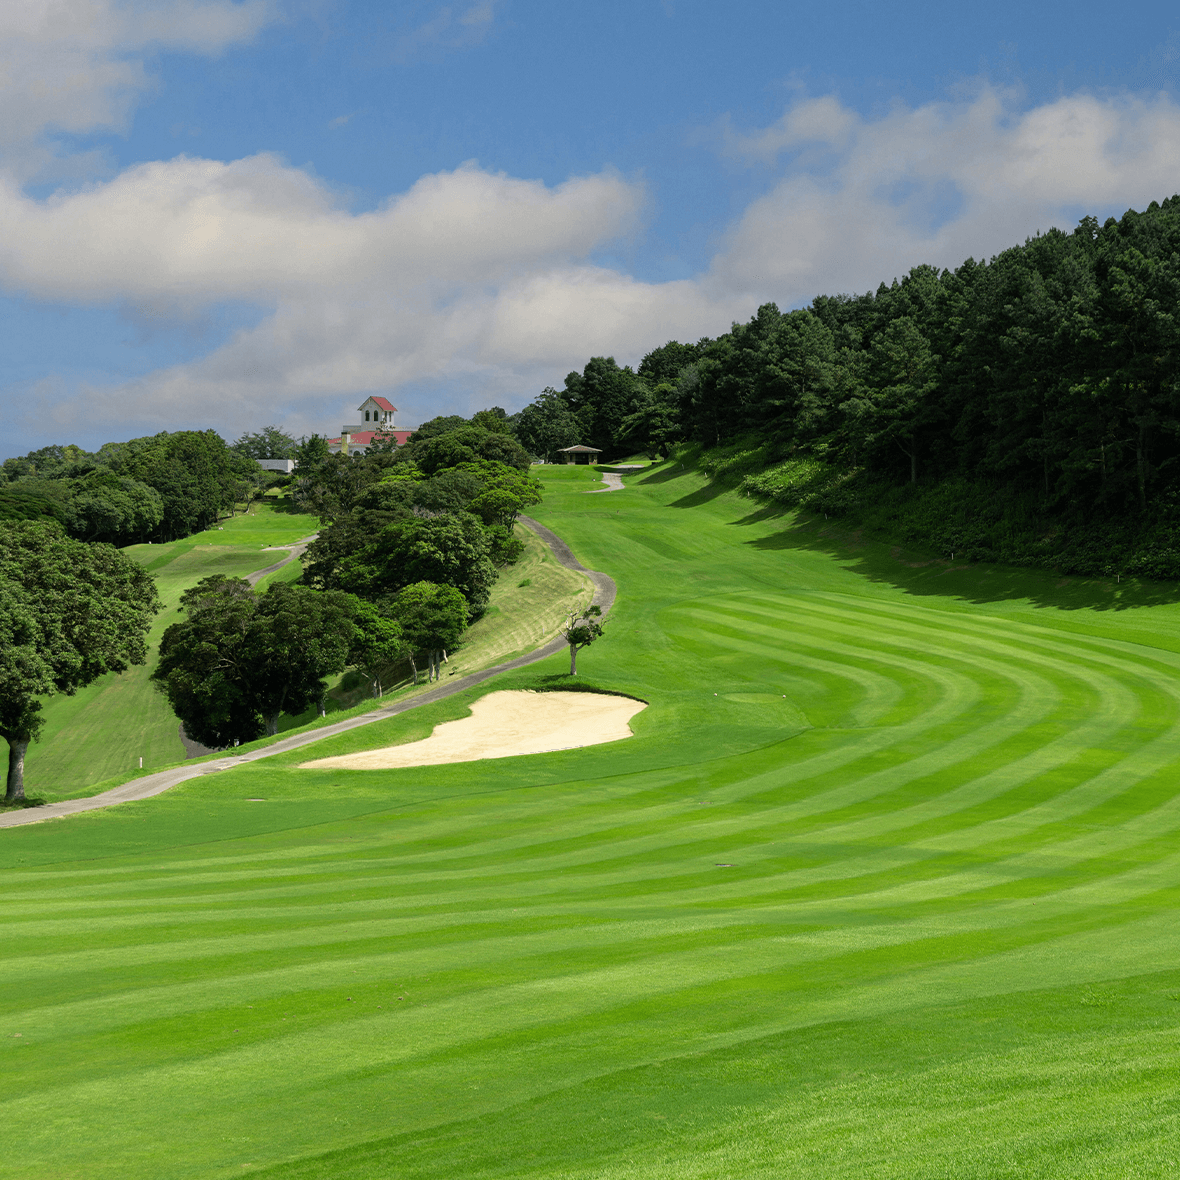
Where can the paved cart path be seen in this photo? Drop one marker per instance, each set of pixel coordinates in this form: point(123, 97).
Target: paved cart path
point(614, 483)
point(155, 784)
point(293, 551)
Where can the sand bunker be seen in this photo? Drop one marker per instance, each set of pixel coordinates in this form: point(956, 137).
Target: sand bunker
point(503, 724)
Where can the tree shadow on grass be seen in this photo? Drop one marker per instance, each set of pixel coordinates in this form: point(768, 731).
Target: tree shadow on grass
point(701, 496)
point(920, 574)
point(564, 682)
point(284, 505)
point(661, 473)
point(21, 804)
point(766, 512)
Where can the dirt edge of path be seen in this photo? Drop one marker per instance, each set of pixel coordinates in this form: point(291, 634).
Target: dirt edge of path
point(156, 784)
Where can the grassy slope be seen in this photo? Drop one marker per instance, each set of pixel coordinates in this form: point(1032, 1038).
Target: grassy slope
point(103, 731)
point(884, 886)
point(528, 602)
point(95, 739)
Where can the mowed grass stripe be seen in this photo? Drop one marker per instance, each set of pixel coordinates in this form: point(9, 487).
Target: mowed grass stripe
point(557, 941)
point(571, 883)
point(598, 983)
point(728, 834)
point(498, 1008)
point(1108, 717)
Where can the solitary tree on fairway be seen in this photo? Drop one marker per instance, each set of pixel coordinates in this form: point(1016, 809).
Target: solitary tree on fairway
point(69, 612)
point(581, 631)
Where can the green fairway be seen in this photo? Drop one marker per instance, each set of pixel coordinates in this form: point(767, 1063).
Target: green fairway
point(884, 885)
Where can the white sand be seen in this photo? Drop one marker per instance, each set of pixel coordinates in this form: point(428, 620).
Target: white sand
point(504, 724)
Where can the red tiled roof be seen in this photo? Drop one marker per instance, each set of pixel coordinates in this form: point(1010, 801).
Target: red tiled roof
point(385, 404)
point(362, 438)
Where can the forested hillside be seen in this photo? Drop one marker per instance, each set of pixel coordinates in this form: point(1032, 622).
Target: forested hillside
point(1022, 409)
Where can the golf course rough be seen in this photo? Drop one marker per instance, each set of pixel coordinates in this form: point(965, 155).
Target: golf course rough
point(884, 885)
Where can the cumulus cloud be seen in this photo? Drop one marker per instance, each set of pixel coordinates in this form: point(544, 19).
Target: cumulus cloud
point(77, 66)
point(487, 281)
point(194, 231)
point(863, 200)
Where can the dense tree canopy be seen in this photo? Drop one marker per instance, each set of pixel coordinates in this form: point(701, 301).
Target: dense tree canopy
point(432, 619)
point(380, 642)
point(268, 443)
point(467, 444)
point(437, 515)
point(450, 549)
point(239, 659)
point(69, 612)
point(548, 425)
point(1053, 367)
point(158, 488)
point(450, 525)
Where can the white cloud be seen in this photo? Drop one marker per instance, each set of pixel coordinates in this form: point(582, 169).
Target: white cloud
point(482, 280)
point(190, 232)
point(77, 66)
point(450, 28)
point(864, 200)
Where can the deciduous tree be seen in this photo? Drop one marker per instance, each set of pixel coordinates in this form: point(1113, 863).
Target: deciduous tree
point(581, 630)
point(69, 612)
point(239, 660)
point(433, 619)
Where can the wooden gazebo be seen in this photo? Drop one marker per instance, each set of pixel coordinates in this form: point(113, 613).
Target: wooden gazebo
point(580, 454)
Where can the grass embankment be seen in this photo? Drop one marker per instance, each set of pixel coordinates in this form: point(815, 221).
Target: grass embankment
point(884, 886)
point(94, 740)
point(529, 601)
point(990, 521)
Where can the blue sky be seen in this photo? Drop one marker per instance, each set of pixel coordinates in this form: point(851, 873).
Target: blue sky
point(230, 214)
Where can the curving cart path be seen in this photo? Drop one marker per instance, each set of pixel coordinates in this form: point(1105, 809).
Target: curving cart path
point(156, 784)
point(293, 551)
point(613, 481)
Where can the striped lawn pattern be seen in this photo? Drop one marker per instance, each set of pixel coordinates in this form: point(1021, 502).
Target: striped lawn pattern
point(884, 886)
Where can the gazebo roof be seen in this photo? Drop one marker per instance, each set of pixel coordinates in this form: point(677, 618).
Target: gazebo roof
point(579, 447)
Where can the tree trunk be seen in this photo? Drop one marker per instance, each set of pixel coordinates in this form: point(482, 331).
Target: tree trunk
point(914, 465)
point(573, 660)
point(272, 725)
point(414, 666)
point(16, 769)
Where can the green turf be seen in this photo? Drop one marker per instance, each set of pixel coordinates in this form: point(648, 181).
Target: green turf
point(885, 885)
point(94, 740)
point(103, 731)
